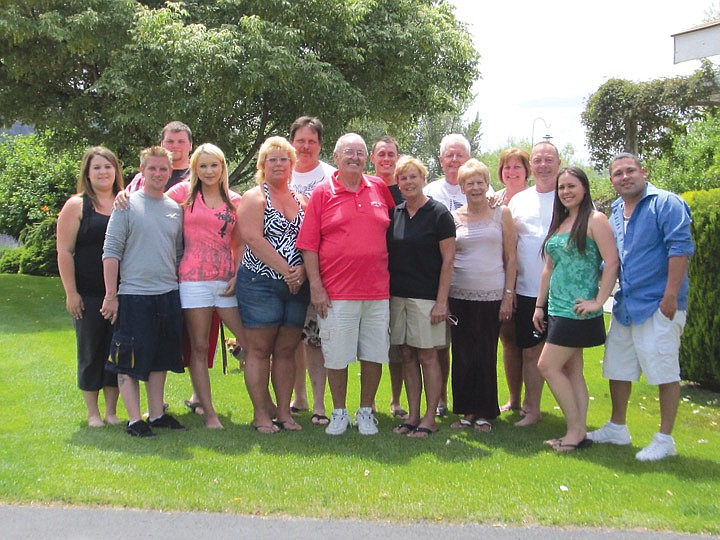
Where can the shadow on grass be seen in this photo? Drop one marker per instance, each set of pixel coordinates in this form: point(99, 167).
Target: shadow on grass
point(385, 448)
point(311, 442)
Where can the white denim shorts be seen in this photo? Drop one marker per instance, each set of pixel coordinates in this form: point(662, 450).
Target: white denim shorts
point(201, 294)
point(355, 329)
point(651, 348)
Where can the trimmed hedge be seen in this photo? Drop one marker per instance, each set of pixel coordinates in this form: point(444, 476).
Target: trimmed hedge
point(700, 348)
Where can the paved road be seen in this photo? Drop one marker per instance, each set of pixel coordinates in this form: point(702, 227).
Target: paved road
point(53, 523)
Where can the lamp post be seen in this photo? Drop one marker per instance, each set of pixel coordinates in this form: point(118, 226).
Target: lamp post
point(547, 137)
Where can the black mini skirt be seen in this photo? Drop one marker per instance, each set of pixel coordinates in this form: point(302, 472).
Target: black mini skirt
point(577, 333)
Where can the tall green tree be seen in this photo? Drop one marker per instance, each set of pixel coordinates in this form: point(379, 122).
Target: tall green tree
point(693, 163)
point(645, 117)
point(423, 139)
point(114, 71)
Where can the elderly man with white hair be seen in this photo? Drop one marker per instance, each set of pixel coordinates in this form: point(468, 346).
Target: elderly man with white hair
point(346, 258)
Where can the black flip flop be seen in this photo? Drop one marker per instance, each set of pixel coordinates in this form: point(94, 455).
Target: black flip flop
point(317, 420)
point(408, 428)
point(194, 406)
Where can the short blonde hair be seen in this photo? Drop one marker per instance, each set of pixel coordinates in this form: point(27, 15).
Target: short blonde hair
point(405, 162)
point(270, 144)
point(155, 151)
point(473, 167)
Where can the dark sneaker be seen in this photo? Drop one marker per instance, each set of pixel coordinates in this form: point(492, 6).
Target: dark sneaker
point(140, 429)
point(166, 421)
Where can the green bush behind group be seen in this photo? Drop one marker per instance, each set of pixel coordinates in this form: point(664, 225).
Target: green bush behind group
point(36, 179)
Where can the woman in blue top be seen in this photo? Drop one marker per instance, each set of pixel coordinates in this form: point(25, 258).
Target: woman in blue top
point(573, 288)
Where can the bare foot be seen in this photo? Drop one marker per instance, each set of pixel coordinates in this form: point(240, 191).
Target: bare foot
point(528, 420)
point(112, 419)
point(95, 421)
point(266, 429)
point(553, 442)
point(210, 424)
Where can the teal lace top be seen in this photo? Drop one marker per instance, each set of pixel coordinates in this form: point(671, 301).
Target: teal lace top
point(575, 275)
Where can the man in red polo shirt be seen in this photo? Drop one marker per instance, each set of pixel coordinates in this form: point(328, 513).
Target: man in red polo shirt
point(345, 253)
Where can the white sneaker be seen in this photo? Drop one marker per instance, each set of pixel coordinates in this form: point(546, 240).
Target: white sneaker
point(366, 421)
point(339, 422)
point(611, 433)
point(659, 448)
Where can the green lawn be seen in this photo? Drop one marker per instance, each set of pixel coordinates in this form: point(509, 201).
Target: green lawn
point(508, 476)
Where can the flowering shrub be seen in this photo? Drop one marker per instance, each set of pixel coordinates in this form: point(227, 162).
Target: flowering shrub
point(35, 181)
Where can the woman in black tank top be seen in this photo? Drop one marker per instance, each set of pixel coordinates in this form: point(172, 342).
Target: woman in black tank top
point(80, 236)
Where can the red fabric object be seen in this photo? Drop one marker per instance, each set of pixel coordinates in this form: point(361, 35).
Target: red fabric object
point(212, 342)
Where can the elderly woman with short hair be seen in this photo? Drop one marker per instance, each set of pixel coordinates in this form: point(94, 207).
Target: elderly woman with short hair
point(481, 296)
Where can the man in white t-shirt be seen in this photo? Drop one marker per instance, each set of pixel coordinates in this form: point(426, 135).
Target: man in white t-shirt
point(306, 136)
point(532, 212)
point(454, 152)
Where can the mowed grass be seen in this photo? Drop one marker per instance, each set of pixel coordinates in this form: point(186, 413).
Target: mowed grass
point(508, 476)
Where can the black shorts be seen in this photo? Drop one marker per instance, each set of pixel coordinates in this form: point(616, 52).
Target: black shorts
point(526, 335)
point(576, 333)
point(147, 335)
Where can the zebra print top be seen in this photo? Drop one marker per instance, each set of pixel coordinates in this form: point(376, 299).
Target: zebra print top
point(281, 234)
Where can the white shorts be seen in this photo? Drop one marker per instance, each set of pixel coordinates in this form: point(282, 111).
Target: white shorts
point(202, 294)
point(410, 324)
point(651, 348)
point(355, 329)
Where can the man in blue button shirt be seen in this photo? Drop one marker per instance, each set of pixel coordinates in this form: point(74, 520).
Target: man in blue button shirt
point(652, 232)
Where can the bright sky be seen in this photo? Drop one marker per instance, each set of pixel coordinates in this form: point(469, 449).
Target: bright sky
point(543, 59)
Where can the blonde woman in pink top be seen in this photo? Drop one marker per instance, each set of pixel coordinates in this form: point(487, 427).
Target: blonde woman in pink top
point(207, 269)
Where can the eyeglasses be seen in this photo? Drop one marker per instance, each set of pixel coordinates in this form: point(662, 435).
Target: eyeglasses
point(274, 160)
point(455, 156)
point(349, 152)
